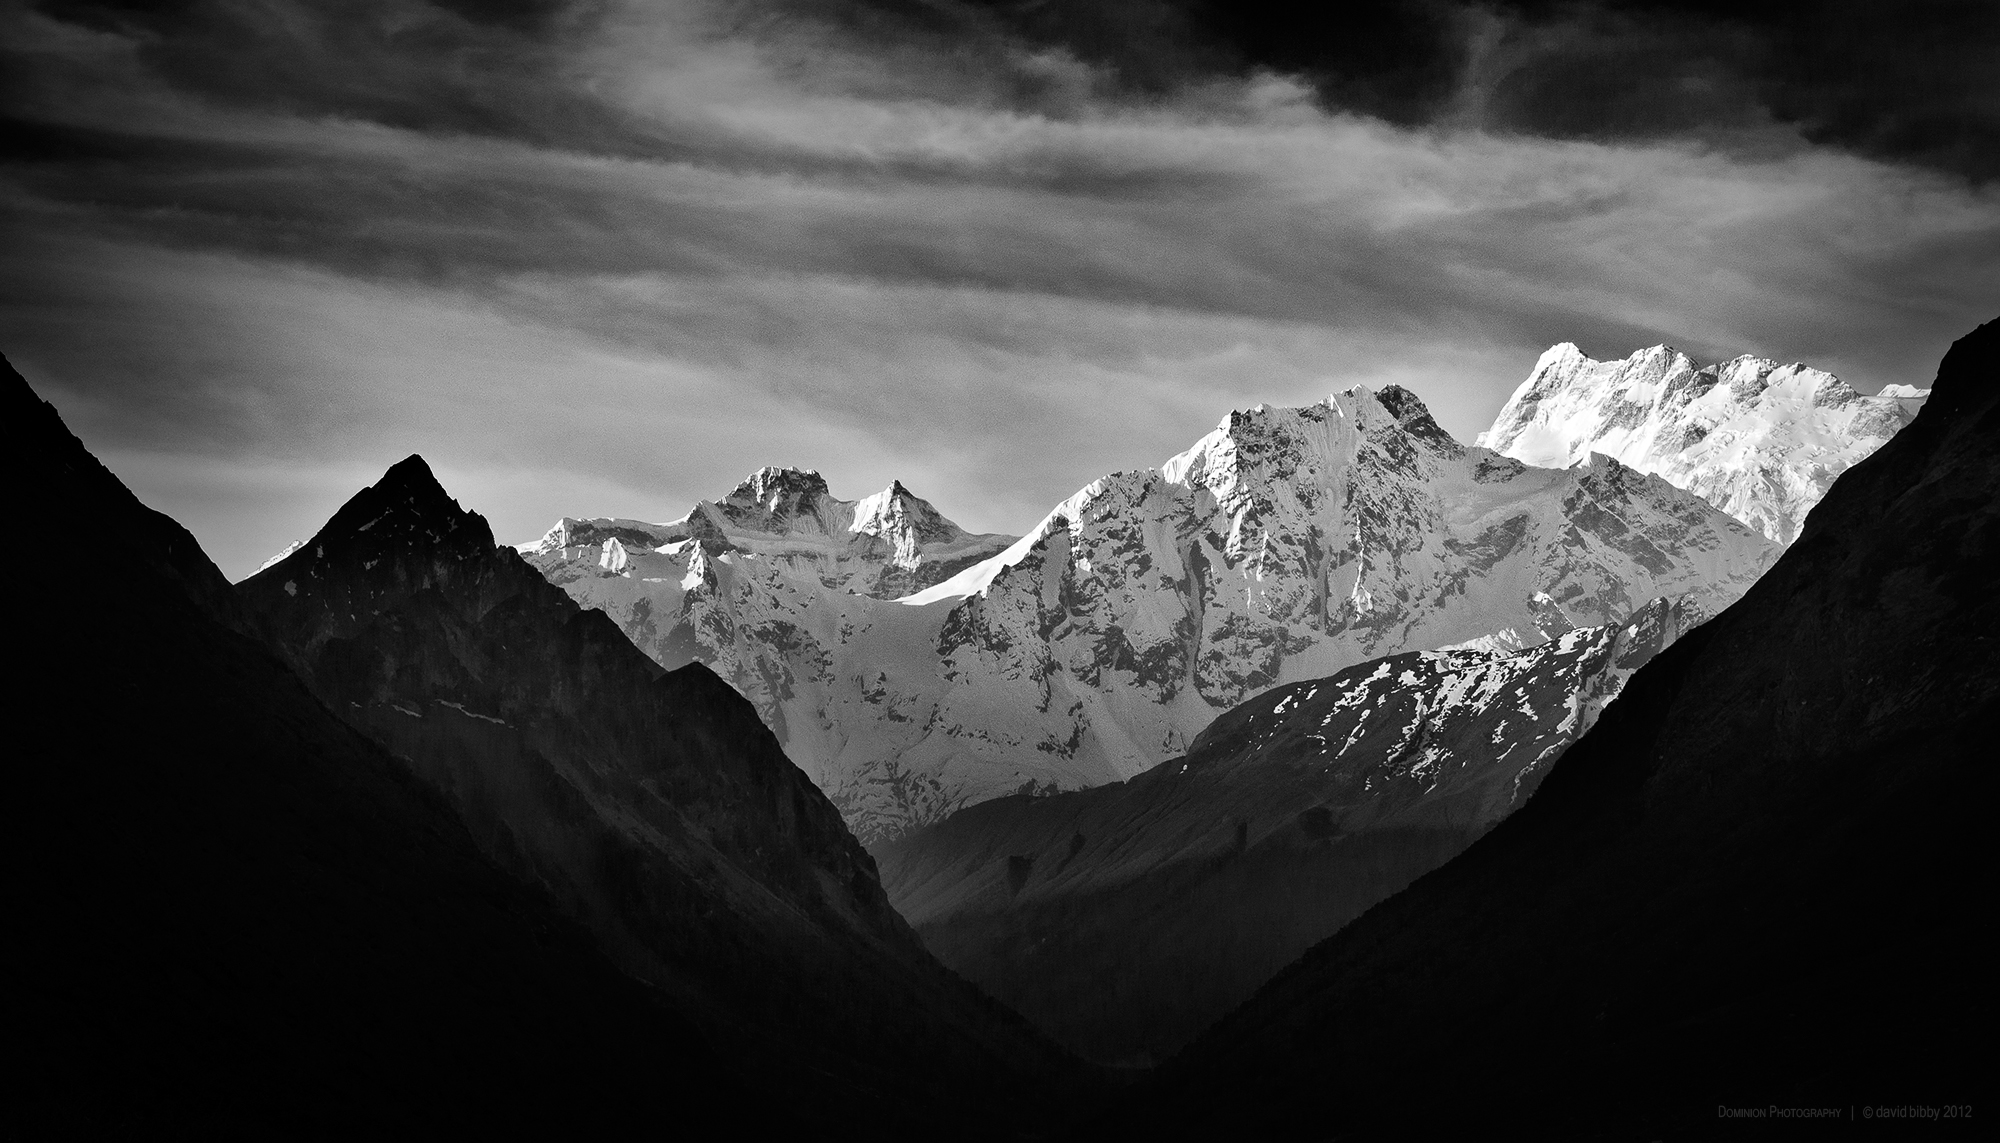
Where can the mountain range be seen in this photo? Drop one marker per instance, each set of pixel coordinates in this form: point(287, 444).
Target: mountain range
point(1408, 788)
point(239, 916)
point(1283, 546)
point(1753, 883)
point(1126, 918)
point(652, 805)
point(394, 836)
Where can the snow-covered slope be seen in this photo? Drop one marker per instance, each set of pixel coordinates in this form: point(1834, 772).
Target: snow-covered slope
point(1287, 544)
point(1759, 440)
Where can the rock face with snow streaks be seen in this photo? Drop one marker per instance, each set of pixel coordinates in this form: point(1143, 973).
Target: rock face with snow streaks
point(1285, 545)
point(1759, 440)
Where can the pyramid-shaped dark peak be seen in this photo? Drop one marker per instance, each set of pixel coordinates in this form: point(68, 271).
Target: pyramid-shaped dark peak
point(411, 483)
point(404, 519)
point(408, 488)
point(411, 472)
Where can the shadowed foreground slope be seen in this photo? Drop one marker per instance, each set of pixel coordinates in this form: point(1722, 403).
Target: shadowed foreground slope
point(1758, 880)
point(239, 915)
point(247, 916)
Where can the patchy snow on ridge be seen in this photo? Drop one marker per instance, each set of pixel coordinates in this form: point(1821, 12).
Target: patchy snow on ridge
point(294, 546)
point(1759, 440)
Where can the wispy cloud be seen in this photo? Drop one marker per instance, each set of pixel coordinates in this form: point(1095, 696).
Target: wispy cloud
point(639, 249)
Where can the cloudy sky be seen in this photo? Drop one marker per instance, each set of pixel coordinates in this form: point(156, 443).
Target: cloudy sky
point(606, 258)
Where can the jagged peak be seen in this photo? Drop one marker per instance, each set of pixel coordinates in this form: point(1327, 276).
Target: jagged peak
point(773, 488)
point(408, 486)
point(408, 492)
point(1566, 361)
point(1752, 361)
point(1639, 358)
point(406, 514)
point(770, 497)
point(1255, 435)
point(573, 531)
point(1559, 352)
point(1659, 375)
point(897, 492)
point(1749, 377)
point(896, 509)
point(1411, 413)
point(412, 471)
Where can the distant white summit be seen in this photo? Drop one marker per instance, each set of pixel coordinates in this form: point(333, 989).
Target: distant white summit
point(886, 545)
point(1759, 440)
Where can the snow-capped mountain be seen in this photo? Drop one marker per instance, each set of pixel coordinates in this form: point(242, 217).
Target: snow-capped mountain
point(886, 545)
point(1791, 803)
point(1195, 881)
point(1759, 440)
point(1285, 545)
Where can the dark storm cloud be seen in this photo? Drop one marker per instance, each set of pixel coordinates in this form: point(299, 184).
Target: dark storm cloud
point(1909, 82)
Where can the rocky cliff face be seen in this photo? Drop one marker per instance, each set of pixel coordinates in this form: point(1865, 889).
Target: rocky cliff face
point(1761, 871)
point(1759, 440)
point(1285, 545)
point(1126, 918)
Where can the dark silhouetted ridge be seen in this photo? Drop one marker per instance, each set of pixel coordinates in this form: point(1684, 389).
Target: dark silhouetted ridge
point(238, 917)
point(55, 477)
point(571, 897)
point(656, 808)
